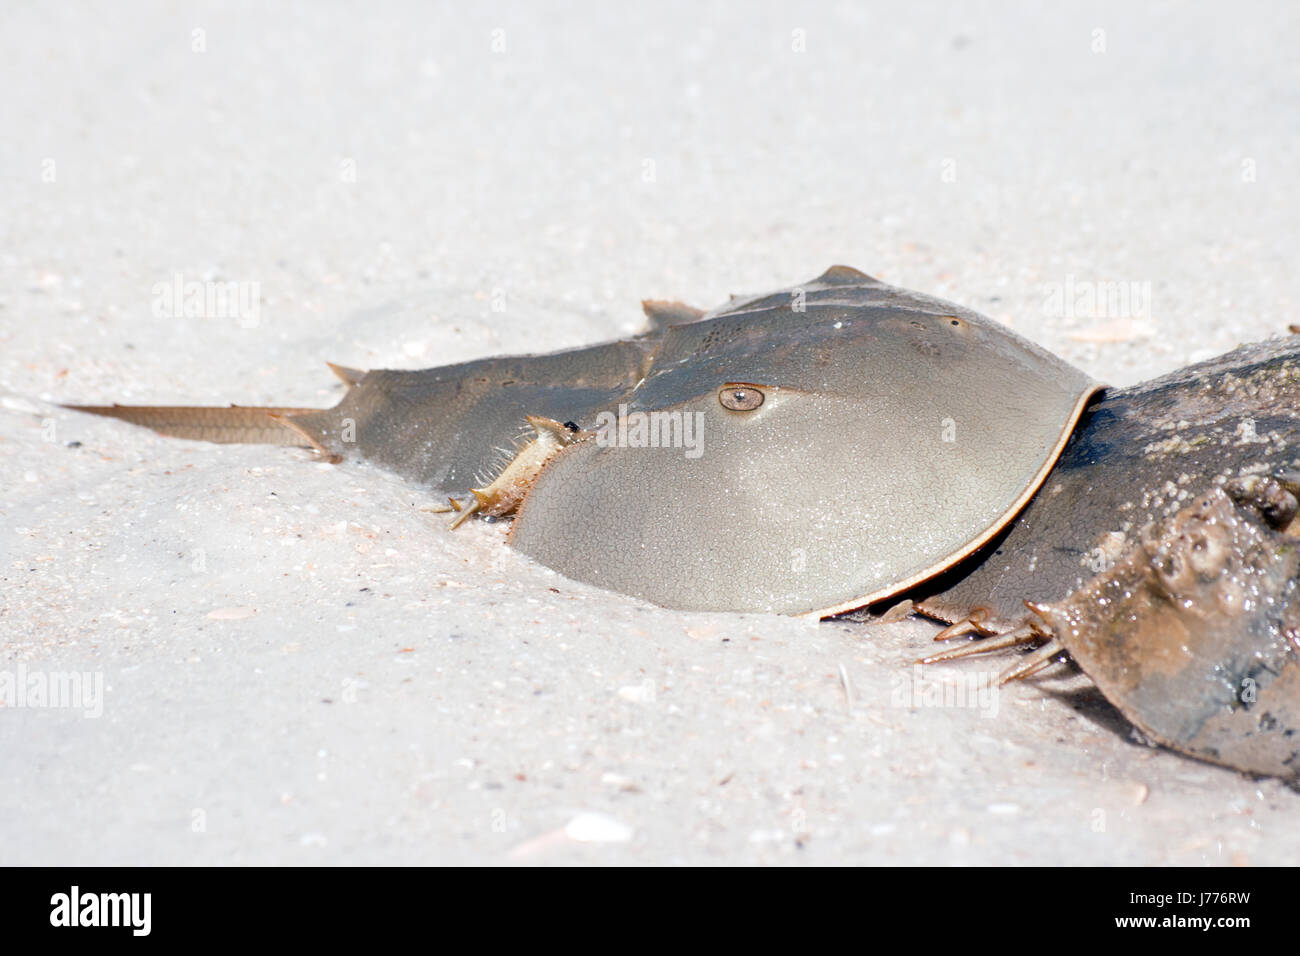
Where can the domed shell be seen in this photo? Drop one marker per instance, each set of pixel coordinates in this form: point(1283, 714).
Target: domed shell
point(806, 451)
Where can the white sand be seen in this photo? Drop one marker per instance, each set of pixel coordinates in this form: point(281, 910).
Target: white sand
point(299, 666)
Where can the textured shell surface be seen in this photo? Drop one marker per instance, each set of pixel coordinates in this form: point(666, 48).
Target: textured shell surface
point(896, 434)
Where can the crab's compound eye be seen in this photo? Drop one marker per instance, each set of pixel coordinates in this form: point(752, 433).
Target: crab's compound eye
point(740, 398)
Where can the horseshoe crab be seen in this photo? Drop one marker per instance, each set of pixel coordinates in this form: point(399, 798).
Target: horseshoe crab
point(1162, 556)
point(810, 450)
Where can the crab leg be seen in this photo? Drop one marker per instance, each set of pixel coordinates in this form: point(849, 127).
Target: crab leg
point(1032, 664)
point(473, 508)
point(504, 494)
point(973, 623)
point(1026, 634)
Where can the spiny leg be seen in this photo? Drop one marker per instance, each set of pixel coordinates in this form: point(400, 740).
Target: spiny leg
point(1025, 634)
point(1033, 663)
point(503, 495)
point(973, 623)
point(465, 513)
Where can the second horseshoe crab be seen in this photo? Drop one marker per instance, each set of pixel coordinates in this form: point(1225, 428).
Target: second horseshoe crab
point(1162, 555)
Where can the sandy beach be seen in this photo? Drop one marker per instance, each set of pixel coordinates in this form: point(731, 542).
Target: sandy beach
point(285, 661)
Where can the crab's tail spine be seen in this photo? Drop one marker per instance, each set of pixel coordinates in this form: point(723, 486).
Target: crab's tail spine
point(236, 424)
